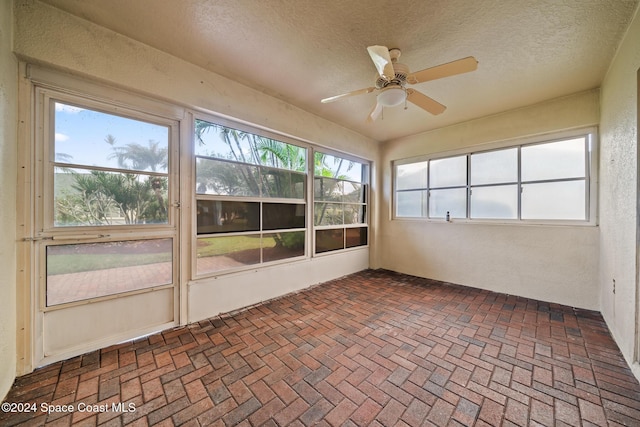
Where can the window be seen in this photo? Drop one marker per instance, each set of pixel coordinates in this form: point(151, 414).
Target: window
point(447, 184)
point(340, 208)
point(108, 170)
point(554, 180)
point(250, 198)
point(411, 189)
point(120, 266)
point(494, 184)
point(545, 181)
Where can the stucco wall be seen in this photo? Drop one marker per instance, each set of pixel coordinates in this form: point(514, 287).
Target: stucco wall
point(550, 263)
point(619, 189)
point(8, 160)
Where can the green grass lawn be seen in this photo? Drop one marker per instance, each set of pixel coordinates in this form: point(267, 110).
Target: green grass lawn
point(75, 263)
point(214, 246)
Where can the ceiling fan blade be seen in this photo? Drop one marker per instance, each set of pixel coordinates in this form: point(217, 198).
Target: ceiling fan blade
point(445, 70)
point(382, 60)
point(424, 102)
point(345, 95)
point(375, 113)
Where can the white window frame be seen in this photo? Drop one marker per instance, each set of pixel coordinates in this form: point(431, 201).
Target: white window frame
point(591, 178)
point(106, 108)
point(309, 201)
point(251, 199)
point(49, 87)
point(366, 182)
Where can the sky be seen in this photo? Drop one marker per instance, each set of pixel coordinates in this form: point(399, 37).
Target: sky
point(81, 133)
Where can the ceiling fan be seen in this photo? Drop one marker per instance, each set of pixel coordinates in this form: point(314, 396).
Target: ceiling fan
point(394, 76)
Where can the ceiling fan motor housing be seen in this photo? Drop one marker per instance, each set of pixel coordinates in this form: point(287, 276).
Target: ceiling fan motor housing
point(401, 71)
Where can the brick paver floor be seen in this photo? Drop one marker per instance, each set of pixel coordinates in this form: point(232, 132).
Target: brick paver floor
point(374, 348)
point(82, 285)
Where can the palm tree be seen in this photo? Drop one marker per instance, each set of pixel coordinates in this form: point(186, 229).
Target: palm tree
point(330, 176)
point(135, 156)
point(101, 191)
point(322, 168)
point(89, 204)
point(235, 140)
point(245, 147)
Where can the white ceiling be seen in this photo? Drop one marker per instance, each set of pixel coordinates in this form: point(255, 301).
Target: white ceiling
point(304, 50)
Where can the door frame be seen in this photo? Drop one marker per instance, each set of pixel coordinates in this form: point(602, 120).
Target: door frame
point(32, 134)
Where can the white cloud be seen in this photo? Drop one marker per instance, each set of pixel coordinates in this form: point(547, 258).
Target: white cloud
point(60, 137)
point(68, 108)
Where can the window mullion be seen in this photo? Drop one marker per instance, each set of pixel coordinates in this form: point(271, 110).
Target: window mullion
point(426, 214)
point(468, 186)
point(587, 177)
point(519, 212)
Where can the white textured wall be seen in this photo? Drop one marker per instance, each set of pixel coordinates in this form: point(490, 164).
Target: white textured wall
point(619, 190)
point(549, 263)
point(227, 293)
point(8, 160)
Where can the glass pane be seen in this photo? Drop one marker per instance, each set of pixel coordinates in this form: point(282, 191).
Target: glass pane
point(453, 201)
point(222, 253)
point(280, 215)
point(411, 176)
point(214, 216)
point(356, 237)
point(448, 172)
point(279, 154)
point(282, 183)
point(354, 214)
point(328, 214)
point(494, 202)
point(329, 240)
point(92, 138)
point(494, 167)
point(336, 167)
point(84, 197)
point(554, 160)
point(554, 200)
point(218, 141)
point(282, 245)
point(354, 192)
point(411, 204)
point(328, 189)
point(226, 178)
point(90, 270)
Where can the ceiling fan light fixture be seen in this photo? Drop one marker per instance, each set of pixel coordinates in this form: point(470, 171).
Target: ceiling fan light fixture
point(392, 96)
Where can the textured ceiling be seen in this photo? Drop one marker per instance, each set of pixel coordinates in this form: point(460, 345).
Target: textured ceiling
point(304, 50)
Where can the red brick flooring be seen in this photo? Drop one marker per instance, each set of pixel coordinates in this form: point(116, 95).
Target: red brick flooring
point(374, 348)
